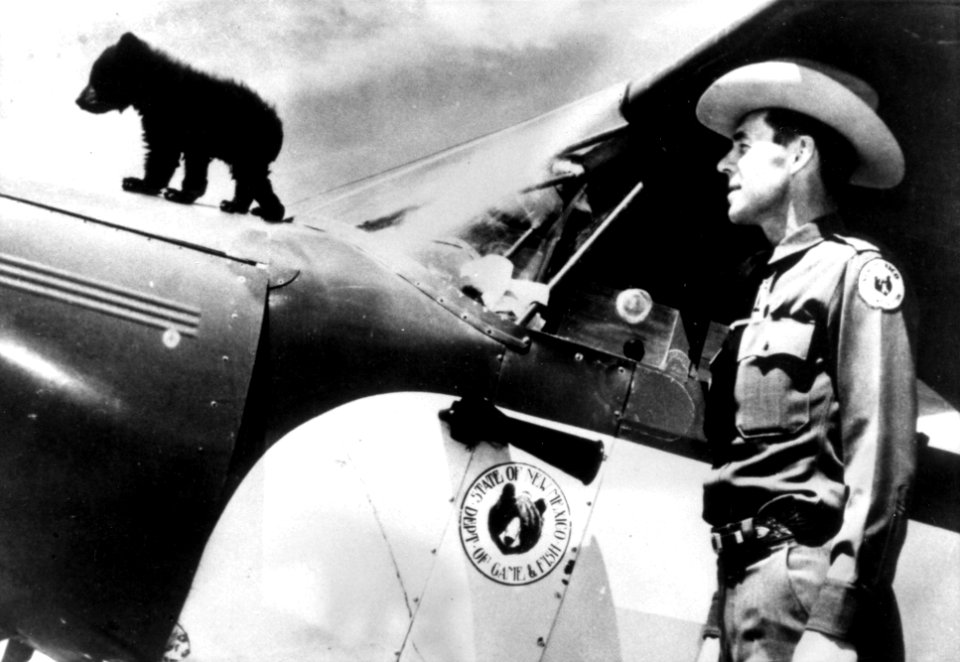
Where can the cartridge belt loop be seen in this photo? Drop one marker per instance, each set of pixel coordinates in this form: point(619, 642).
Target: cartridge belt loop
point(748, 533)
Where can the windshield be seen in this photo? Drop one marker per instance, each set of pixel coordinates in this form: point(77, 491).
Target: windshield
point(502, 214)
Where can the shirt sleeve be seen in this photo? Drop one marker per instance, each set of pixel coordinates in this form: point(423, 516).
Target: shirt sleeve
point(876, 392)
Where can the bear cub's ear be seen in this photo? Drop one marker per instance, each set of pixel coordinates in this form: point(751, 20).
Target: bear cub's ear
point(130, 40)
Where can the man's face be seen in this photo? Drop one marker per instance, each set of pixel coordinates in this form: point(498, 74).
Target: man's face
point(758, 172)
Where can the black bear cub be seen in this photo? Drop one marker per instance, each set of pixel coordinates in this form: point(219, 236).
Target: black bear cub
point(191, 114)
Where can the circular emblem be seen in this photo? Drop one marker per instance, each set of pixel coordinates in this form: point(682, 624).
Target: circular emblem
point(515, 523)
point(881, 285)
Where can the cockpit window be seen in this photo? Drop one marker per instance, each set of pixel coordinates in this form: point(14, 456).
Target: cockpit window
point(501, 216)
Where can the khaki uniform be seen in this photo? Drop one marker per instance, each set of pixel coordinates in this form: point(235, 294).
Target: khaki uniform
point(812, 415)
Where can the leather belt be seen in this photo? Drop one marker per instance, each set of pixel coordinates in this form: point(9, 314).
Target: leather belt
point(746, 534)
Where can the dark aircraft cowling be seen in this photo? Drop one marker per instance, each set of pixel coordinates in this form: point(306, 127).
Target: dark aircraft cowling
point(352, 325)
point(174, 367)
point(124, 368)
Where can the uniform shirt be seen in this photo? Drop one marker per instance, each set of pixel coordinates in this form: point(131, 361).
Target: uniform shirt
point(812, 412)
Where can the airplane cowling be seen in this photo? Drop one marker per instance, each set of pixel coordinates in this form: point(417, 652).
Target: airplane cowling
point(124, 369)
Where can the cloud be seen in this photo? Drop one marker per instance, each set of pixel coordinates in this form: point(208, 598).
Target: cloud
point(361, 84)
point(510, 24)
point(334, 44)
point(337, 44)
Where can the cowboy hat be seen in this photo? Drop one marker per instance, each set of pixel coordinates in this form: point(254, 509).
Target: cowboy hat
point(836, 98)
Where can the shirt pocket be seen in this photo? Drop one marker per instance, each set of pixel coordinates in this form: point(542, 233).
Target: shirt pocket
point(773, 378)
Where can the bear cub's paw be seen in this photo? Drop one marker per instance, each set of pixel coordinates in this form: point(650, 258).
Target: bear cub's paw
point(137, 185)
point(271, 214)
point(183, 197)
point(233, 207)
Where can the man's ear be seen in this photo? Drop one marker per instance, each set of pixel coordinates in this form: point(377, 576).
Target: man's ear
point(804, 149)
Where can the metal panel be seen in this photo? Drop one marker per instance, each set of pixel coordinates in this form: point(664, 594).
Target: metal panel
point(566, 382)
point(124, 368)
point(353, 538)
point(660, 405)
point(563, 381)
point(484, 604)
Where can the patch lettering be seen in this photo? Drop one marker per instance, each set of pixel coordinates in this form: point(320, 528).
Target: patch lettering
point(880, 285)
point(515, 524)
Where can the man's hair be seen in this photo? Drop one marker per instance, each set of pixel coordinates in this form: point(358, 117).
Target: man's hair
point(837, 156)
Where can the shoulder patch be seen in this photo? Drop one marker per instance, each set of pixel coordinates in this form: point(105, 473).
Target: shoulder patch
point(880, 285)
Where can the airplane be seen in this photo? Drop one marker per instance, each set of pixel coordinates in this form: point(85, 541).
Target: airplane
point(454, 410)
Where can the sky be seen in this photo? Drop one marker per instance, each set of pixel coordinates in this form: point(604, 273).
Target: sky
point(361, 85)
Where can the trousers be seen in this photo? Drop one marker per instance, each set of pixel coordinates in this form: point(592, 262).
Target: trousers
point(765, 604)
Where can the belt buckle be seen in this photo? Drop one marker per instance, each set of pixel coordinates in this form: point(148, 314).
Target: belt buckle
point(732, 535)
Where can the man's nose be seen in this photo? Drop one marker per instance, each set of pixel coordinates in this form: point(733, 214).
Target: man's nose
point(725, 165)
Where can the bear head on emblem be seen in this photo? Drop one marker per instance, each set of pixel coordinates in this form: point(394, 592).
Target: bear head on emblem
point(516, 521)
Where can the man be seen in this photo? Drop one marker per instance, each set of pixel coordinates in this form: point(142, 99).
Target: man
point(812, 407)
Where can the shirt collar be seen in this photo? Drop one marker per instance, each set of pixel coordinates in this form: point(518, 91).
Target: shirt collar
point(806, 237)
